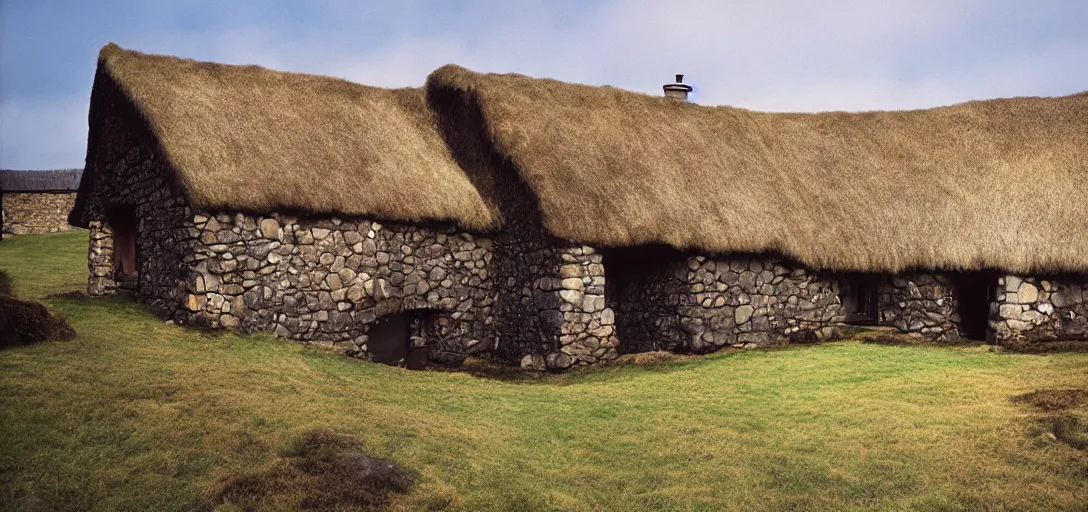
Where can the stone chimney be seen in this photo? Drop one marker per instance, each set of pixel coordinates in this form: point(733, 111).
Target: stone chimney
point(678, 91)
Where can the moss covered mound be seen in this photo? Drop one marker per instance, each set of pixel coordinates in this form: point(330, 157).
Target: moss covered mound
point(24, 322)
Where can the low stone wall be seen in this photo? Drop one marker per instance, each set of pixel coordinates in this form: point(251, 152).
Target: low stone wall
point(752, 301)
point(922, 304)
point(743, 301)
point(1040, 308)
point(28, 213)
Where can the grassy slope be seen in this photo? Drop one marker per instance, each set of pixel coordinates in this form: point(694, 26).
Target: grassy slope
point(138, 414)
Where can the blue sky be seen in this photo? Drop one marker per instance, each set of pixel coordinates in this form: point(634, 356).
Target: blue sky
point(767, 55)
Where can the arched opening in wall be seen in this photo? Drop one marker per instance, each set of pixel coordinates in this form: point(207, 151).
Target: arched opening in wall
point(858, 296)
point(974, 291)
point(400, 339)
point(122, 220)
point(636, 281)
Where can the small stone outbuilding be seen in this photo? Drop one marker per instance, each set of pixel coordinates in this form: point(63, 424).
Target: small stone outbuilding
point(551, 224)
point(35, 202)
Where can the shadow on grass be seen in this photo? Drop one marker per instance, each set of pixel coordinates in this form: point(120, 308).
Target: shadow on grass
point(1057, 416)
point(1071, 430)
point(70, 296)
point(1048, 347)
point(319, 470)
point(6, 286)
point(650, 362)
point(889, 336)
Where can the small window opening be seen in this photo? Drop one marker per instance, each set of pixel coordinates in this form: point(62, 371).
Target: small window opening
point(859, 299)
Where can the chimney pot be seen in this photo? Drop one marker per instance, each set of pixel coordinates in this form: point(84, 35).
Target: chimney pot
point(679, 90)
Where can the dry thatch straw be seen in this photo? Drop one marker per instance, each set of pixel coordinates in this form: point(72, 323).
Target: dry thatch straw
point(985, 184)
point(251, 139)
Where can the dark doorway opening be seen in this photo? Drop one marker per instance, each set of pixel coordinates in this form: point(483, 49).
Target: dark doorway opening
point(858, 295)
point(633, 289)
point(399, 339)
point(389, 338)
point(974, 291)
point(626, 267)
point(122, 220)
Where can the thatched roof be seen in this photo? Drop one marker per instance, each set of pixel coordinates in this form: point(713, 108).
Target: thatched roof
point(56, 180)
point(251, 139)
point(985, 184)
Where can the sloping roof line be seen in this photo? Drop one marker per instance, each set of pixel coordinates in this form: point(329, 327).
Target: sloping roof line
point(984, 184)
point(252, 139)
point(56, 180)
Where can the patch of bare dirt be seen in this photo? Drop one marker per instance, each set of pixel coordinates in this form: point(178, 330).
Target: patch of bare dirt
point(321, 470)
point(1052, 400)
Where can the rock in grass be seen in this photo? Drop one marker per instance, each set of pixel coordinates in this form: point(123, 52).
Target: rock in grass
point(378, 474)
point(23, 322)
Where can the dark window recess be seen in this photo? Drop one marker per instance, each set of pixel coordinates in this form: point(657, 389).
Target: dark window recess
point(859, 299)
point(122, 220)
point(624, 266)
point(974, 291)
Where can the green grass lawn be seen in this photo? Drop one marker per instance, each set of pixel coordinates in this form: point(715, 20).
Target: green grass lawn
point(138, 414)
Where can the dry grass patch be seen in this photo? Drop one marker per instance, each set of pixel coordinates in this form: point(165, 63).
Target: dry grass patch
point(656, 358)
point(1047, 347)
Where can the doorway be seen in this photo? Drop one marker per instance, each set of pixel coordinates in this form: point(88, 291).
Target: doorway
point(122, 220)
point(398, 339)
point(858, 295)
point(635, 288)
point(388, 338)
point(974, 291)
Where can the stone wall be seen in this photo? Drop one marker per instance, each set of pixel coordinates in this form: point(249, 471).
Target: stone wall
point(100, 260)
point(743, 301)
point(1040, 308)
point(329, 279)
point(550, 310)
point(585, 325)
point(923, 304)
point(133, 179)
point(28, 213)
